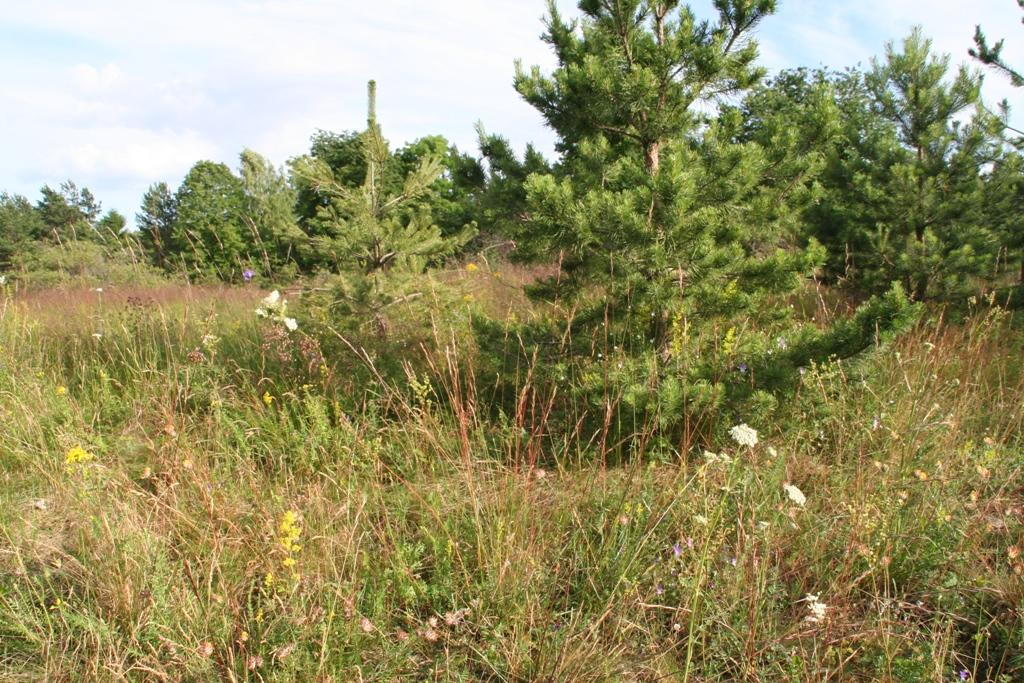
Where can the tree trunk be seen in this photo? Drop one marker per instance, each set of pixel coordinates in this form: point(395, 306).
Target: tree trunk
point(652, 157)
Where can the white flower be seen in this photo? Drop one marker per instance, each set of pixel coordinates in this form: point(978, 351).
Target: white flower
point(715, 458)
point(272, 299)
point(291, 324)
point(816, 608)
point(97, 335)
point(744, 435)
point(98, 290)
point(795, 494)
point(3, 280)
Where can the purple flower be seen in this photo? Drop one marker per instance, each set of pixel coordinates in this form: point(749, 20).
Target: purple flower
point(659, 590)
point(781, 343)
point(248, 274)
point(677, 550)
point(964, 674)
point(742, 367)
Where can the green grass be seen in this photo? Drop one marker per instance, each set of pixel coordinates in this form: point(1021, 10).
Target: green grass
point(439, 544)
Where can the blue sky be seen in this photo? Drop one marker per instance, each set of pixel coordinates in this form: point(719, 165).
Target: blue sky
point(117, 94)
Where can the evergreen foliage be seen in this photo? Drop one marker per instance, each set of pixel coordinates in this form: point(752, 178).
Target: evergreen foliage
point(992, 55)
point(676, 231)
point(155, 221)
point(209, 235)
point(378, 235)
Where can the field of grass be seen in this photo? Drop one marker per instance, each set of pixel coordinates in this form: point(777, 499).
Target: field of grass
point(182, 498)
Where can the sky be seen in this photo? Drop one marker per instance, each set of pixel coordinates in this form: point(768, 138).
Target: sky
point(118, 94)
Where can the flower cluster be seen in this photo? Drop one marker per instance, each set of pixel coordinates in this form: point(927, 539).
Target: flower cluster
point(289, 531)
point(273, 307)
point(78, 455)
point(795, 494)
point(744, 435)
point(816, 608)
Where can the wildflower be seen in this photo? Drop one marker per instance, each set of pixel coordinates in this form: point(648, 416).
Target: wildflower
point(62, 391)
point(781, 343)
point(795, 494)
point(659, 590)
point(816, 608)
point(677, 550)
point(248, 274)
point(742, 367)
point(471, 268)
point(744, 435)
point(453, 619)
point(284, 651)
point(3, 280)
point(290, 531)
point(78, 455)
point(291, 324)
point(268, 400)
point(205, 649)
point(964, 674)
point(876, 423)
point(921, 474)
point(802, 371)
point(1013, 551)
point(366, 625)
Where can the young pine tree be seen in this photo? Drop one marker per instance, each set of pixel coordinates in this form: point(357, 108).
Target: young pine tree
point(676, 238)
point(376, 236)
point(931, 233)
point(155, 220)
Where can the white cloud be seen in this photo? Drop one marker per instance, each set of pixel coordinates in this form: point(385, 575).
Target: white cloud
point(132, 154)
point(89, 79)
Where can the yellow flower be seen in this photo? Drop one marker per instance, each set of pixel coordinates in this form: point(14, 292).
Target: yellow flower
point(78, 455)
point(290, 531)
point(268, 400)
point(62, 391)
point(471, 268)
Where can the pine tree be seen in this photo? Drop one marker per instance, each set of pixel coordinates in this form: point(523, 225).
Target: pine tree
point(992, 55)
point(904, 178)
point(155, 221)
point(376, 236)
point(676, 237)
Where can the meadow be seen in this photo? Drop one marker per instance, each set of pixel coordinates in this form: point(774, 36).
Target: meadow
point(187, 496)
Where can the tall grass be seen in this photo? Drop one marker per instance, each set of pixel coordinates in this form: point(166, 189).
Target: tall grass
point(255, 512)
